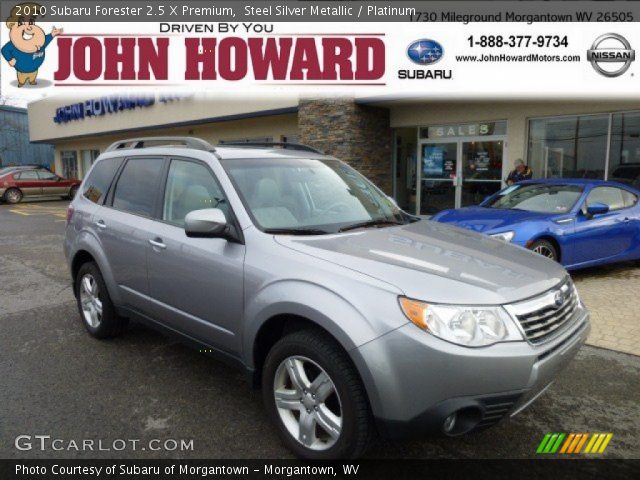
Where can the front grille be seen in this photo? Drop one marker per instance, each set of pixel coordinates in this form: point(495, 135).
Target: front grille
point(543, 317)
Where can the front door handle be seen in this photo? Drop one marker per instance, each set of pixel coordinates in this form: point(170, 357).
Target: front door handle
point(100, 224)
point(157, 243)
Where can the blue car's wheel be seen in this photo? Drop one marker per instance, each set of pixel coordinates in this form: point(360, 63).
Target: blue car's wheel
point(545, 248)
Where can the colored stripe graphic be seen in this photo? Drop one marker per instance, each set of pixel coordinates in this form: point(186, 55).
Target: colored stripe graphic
point(573, 443)
point(581, 443)
point(567, 442)
point(598, 442)
point(543, 443)
point(550, 443)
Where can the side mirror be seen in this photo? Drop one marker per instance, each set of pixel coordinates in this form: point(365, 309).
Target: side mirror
point(597, 208)
point(208, 222)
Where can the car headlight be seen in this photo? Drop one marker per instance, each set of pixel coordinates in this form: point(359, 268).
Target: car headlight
point(506, 236)
point(469, 326)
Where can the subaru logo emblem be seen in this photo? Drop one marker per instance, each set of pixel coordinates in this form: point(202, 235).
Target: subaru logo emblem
point(425, 52)
point(558, 298)
point(611, 48)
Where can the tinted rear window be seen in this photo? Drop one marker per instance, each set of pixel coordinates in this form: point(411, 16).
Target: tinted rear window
point(138, 185)
point(97, 183)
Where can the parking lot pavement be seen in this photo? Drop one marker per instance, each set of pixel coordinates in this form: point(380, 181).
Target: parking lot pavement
point(33, 209)
point(612, 295)
point(58, 381)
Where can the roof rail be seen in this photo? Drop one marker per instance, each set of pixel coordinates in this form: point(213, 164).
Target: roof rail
point(285, 145)
point(146, 142)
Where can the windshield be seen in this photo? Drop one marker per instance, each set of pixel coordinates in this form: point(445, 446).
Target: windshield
point(537, 197)
point(316, 196)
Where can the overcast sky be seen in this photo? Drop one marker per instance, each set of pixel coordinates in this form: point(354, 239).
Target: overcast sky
point(16, 100)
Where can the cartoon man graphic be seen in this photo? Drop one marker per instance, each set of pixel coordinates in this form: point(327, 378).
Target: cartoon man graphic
point(27, 41)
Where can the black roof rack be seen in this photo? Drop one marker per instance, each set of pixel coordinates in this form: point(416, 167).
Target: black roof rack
point(146, 142)
point(292, 146)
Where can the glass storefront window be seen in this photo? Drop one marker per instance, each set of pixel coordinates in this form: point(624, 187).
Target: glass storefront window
point(624, 157)
point(405, 167)
point(482, 170)
point(439, 160)
point(482, 160)
point(568, 147)
point(69, 160)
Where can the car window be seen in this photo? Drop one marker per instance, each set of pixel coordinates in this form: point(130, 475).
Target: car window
point(137, 186)
point(47, 175)
point(190, 186)
point(27, 175)
point(97, 183)
point(630, 199)
point(611, 196)
point(537, 197)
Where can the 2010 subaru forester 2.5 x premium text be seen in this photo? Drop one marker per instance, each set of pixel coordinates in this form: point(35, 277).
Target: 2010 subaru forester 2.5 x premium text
point(354, 316)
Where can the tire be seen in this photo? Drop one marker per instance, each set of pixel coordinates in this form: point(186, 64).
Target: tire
point(341, 397)
point(72, 192)
point(13, 196)
point(546, 249)
point(94, 304)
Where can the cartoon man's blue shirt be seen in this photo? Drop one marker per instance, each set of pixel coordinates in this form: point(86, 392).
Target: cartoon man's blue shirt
point(26, 62)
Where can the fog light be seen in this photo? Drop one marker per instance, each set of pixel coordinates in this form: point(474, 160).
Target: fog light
point(449, 423)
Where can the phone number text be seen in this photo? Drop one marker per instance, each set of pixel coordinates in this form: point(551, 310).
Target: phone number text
point(518, 41)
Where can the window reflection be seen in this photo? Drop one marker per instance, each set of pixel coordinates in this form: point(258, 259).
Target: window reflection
point(568, 147)
point(624, 161)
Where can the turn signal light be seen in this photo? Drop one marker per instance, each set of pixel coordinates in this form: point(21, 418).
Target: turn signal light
point(415, 311)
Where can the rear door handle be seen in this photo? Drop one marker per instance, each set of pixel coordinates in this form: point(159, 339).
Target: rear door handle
point(101, 224)
point(157, 243)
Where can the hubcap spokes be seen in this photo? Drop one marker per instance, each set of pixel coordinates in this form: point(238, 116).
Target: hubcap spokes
point(90, 301)
point(310, 410)
point(544, 251)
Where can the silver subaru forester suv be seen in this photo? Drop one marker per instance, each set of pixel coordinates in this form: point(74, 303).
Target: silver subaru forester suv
point(353, 316)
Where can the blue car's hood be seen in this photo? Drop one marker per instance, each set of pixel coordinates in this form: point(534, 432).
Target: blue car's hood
point(485, 220)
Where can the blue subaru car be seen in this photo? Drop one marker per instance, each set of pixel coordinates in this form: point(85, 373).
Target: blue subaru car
point(577, 222)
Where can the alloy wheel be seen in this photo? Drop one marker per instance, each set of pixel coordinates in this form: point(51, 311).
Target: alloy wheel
point(90, 301)
point(544, 251)
point(309, 409)
point(13, 196)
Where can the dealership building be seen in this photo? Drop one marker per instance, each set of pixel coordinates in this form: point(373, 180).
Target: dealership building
point(15, 148)
point(428, 154)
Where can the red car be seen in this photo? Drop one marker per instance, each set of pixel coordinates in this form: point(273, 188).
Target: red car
point(34, 182)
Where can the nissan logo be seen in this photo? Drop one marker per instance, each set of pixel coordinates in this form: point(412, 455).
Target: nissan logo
point(611, 48)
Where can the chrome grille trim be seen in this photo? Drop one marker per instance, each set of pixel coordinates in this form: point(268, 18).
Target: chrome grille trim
point(540, 319)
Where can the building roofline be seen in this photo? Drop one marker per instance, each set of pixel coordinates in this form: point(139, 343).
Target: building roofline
point(186, 123)
point(10, 108)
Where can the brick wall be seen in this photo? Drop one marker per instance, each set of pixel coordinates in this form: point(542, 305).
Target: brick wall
point(357, 134)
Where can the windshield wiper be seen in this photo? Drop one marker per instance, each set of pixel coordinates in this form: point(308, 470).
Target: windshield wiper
point(295, 231)
point(369, 223)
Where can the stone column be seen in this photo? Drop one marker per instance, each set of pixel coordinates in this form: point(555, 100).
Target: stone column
point(357, 134)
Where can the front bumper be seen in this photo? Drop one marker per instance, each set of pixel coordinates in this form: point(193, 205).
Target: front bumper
point(415, 381)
